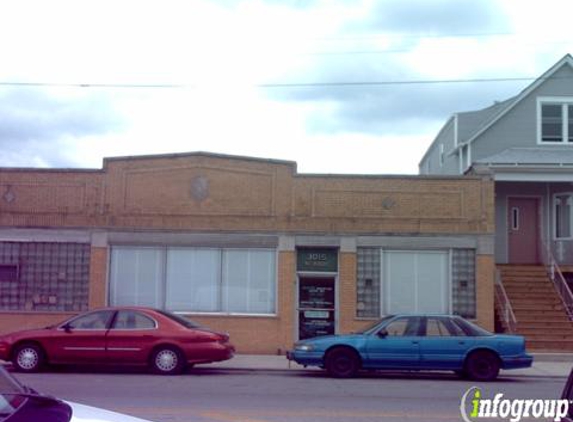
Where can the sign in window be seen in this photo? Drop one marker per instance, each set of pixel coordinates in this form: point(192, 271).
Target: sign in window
point(316, 307)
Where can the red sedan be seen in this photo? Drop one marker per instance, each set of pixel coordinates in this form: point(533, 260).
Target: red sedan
point(165, 342)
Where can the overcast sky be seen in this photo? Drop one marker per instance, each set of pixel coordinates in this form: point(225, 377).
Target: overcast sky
point(356, 86)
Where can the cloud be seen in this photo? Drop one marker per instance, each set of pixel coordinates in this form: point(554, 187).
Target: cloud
point(37, 126)
point(436, 17)
point(381, 73)
point(385, 95)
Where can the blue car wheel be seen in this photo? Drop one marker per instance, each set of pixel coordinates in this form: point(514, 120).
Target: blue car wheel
point(342, 363)
point(482, 366)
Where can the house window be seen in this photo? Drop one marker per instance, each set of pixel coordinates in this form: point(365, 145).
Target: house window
point(556, 121)
point(195, 279)
point(570, 123)
point(563, 206)
point(515, 218)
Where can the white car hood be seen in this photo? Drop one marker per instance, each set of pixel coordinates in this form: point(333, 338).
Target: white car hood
point(84, 413)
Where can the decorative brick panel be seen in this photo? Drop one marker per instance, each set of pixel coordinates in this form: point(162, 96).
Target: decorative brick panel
point(213, 193)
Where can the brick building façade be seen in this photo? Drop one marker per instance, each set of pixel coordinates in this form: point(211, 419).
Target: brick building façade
point(244, 245)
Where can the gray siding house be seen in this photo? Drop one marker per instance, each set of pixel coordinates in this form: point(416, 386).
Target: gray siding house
point(525, 144)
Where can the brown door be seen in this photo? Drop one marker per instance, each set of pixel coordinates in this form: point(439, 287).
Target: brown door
point(523, 229)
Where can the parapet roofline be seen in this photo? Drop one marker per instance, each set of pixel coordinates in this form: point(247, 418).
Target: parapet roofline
point(204, 154)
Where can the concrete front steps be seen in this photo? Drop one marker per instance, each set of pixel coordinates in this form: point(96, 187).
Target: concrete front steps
point(540, 314)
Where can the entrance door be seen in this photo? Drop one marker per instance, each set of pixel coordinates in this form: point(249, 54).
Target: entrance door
point(316, 310)
point(523, 230)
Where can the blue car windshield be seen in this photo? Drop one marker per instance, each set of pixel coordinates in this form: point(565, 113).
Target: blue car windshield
point(375, 326)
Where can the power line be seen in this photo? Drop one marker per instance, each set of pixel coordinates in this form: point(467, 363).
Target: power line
point(270, 85)
point(382, 83)
point(401, 36)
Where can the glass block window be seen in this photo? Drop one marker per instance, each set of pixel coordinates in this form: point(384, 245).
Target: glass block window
point(464, 282)
point(368, 283)
point(44, 276)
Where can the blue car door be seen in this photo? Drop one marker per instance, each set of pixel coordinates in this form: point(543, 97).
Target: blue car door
point(444, 345)
point(395, 346)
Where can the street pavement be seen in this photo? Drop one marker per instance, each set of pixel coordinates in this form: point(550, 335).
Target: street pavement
point(544, 365)
point(267, 388)
point(240, 394)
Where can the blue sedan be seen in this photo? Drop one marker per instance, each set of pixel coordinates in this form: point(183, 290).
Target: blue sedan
point(416, 342)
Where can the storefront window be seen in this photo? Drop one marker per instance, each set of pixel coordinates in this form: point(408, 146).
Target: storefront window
point(195, 279)
point(368, 289)
point(248, 281)
point(136, 276)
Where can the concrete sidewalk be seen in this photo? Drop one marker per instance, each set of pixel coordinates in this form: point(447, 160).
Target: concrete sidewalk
point(544, 365)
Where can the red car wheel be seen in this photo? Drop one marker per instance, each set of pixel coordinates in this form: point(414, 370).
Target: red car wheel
point(167, 360)
point(28, 358)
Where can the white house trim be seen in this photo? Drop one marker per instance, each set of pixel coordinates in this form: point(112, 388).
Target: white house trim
point(525, 176)
point(456, 135)
point(563, 102)
point(553, 207)
point(469, 156)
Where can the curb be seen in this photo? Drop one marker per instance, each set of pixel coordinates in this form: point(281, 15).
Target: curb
point(553, 357)
point(390, 373)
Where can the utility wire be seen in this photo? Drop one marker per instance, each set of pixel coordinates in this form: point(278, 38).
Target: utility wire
point(272, 85)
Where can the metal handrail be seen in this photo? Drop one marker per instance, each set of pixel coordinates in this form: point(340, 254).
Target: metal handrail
point(559, 282)
point(506, 310)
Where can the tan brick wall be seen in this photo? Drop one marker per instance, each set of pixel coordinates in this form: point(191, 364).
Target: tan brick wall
point(347, 292)
point(287, 283)
point(256, 335)
point(485, 282)
point(241, 194)
point(98, 277)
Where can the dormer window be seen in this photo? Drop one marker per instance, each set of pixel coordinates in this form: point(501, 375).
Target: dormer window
point(555, 120)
